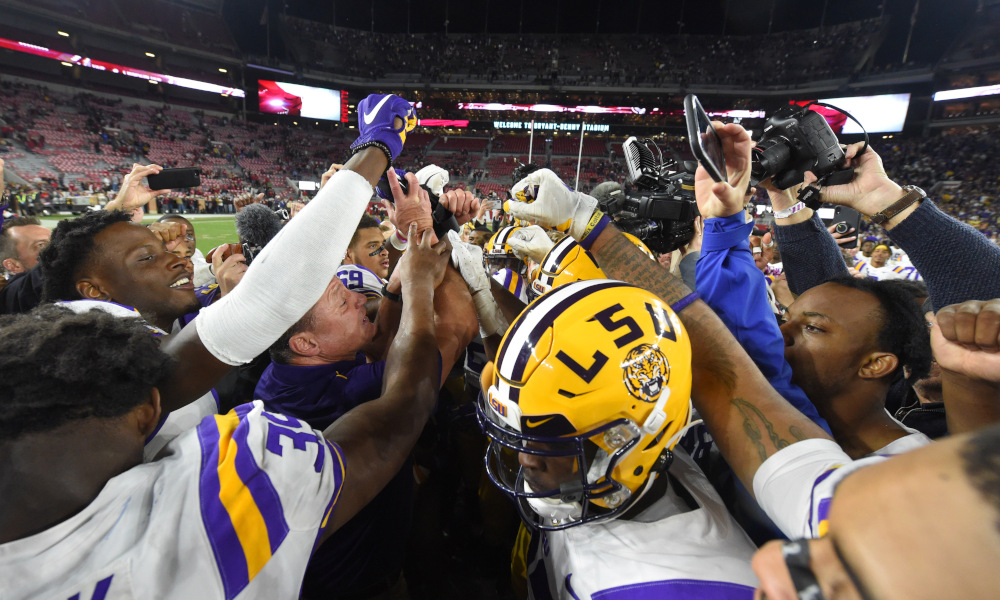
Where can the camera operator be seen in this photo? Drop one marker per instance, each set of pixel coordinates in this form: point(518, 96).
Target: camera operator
point(811, 256)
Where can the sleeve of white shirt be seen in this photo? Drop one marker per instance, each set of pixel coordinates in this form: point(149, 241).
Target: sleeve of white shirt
point(288, 276)
point(795, 485)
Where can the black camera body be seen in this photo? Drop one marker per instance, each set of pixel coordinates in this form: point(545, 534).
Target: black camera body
point(795, 140)
point(661, 209)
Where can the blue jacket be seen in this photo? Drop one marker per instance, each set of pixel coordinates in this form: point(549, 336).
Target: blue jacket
point(728, 281)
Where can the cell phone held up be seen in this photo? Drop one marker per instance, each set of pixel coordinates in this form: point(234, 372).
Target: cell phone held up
point(705, 142)
point(171, 179)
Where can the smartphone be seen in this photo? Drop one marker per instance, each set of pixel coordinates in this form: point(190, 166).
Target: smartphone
point(705, 142)
point(169, 179)
point(842, 215)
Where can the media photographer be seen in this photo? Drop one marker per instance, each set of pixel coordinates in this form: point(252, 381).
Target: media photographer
point(811, 256)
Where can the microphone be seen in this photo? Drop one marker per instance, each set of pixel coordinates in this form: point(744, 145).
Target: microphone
point(256, 225)
point(639, 159)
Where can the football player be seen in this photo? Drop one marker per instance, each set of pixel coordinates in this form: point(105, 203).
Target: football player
point(239, 504)
point(775, 451)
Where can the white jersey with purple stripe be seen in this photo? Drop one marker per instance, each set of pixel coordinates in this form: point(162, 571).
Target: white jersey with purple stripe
point(669, 549)
point(176, 422)
point(888, 272)
point(795, 485)
point(359, 279)
point(513, 283)
point(232, 509)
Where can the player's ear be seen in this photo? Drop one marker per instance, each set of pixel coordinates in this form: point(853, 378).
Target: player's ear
point(92, 289)
point(304, 344)
point(148, 413)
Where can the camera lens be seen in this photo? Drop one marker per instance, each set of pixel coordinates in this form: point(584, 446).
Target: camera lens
point(769, 158)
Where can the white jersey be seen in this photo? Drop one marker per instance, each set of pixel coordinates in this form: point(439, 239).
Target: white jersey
point(359, 279)
point(888, 272)
point(795, 485)
point(175, 422)
point(666, 551)
point(513, 283)
point(232, 509)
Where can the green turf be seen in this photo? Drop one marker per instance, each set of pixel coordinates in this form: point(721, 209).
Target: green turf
point(210, 230)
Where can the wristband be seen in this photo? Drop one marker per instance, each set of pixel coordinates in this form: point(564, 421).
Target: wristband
point(374, 144)
point(398, 242)
point(913, 194)
point(598, 221)
point(684, 302)
point(791, 210)
point(387, 294)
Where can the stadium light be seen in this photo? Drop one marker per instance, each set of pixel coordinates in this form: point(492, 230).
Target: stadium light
point(63, 33)
point(66, 64)
point(150, 55)
point(221, 70)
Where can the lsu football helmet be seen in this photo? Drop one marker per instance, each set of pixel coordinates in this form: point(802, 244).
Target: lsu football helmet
point(498, 255)
point(567, 261)
point(594, 379)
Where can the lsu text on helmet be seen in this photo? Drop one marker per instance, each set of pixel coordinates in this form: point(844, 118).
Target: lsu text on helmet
point(594, 379)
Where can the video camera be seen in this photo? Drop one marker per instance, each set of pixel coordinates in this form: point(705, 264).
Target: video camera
point(661, 209)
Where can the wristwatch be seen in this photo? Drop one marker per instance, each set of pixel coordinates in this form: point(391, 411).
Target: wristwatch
point(913, 194)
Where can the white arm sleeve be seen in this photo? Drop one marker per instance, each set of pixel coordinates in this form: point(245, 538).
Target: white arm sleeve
point(288, 276)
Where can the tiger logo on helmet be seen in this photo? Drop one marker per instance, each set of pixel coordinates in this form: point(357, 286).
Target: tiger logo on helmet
point(583, 379)
point(646, 372)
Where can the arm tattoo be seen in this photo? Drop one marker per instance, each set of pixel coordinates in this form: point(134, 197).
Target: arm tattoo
point(621, 259)
point(751, 417)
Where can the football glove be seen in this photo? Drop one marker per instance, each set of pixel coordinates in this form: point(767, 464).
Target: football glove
point(530, 243)
point(549, 203)
point(376, 123)
point(468, 259)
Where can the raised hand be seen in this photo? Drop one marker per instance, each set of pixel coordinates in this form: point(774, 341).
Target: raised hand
point(725, 198)
point(965, 339)
point(413, 207)
point(530, 242)
point(461, 203)
point(246, 199)
point(171, 233)
point(549, 203)
point(383, 121)
point(870, 191)
point(229, 270)
point(423, 261)
point(133, 193)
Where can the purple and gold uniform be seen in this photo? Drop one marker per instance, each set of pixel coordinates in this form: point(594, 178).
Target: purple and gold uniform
point(232, 509)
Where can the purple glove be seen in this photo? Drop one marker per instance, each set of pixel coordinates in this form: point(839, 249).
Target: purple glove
point(376, 122)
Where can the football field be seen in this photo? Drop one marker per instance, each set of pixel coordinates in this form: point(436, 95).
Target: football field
point(210, 230)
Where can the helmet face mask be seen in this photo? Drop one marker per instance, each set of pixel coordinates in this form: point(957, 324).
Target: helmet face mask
point(590, 390)
point(498, 254)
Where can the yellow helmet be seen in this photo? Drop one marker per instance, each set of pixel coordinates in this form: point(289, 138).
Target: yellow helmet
point(594, 379)
point(640, 245)
point(565, 262)
point(498, 255)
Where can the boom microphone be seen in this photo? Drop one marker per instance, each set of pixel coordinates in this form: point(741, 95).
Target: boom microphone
point(256, 225)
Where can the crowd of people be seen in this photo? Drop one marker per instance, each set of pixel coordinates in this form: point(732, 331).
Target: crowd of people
point(632, 60)
point(507, 399)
